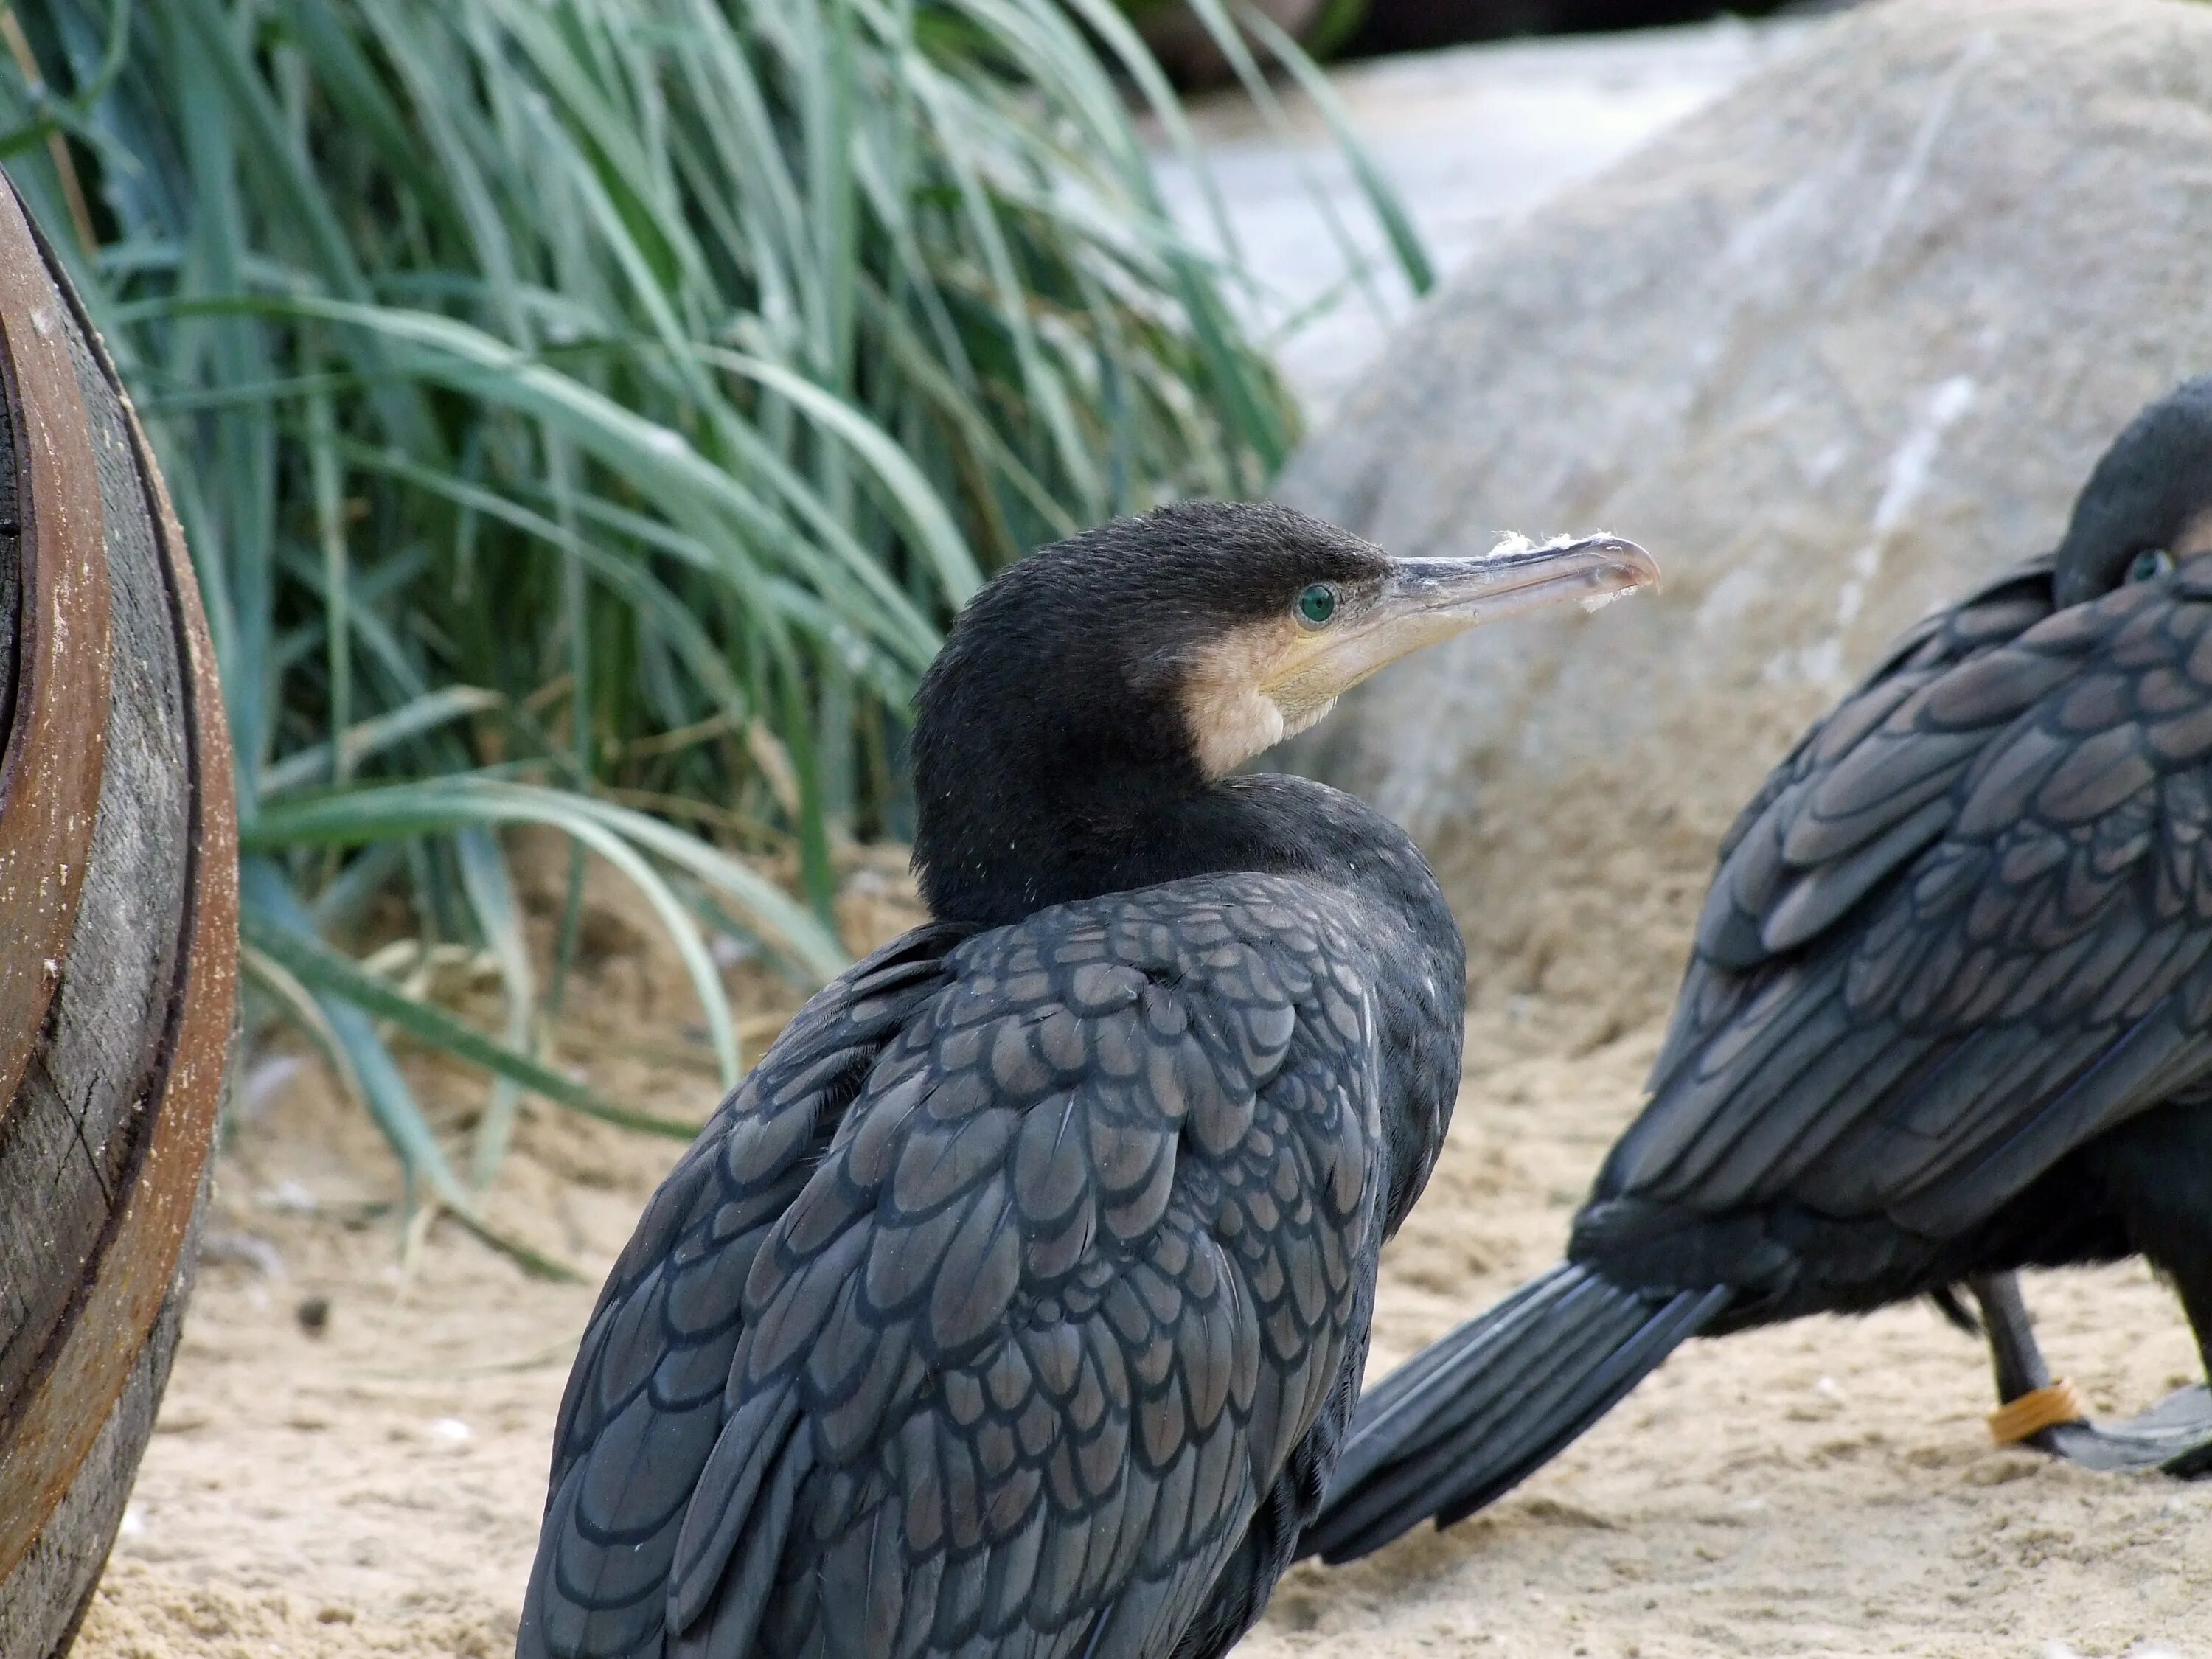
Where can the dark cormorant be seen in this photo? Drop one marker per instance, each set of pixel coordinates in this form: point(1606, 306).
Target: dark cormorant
point(1015, 1304)
point(1949, 1014)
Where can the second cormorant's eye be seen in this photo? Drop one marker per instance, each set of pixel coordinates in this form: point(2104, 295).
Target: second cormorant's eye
point(2149, 565)
point(1317, 605)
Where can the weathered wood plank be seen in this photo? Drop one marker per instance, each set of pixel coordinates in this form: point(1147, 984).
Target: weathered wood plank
point(104, 1144)
point(50, 776)
point(44, 1599)
point(73, 1129)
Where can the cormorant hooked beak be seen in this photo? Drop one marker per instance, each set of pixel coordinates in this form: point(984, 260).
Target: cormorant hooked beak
point(1461, 593)
point(1419, 602)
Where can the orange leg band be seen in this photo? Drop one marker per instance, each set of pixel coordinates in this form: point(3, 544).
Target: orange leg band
point(2039, 1409)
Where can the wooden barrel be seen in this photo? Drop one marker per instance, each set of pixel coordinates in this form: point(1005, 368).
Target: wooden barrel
point(118, 918)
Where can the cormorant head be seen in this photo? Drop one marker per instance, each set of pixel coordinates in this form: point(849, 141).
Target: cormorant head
point(2148, 506)
point(1144, 659)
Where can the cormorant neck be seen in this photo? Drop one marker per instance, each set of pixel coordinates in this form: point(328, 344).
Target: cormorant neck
point(996, 845)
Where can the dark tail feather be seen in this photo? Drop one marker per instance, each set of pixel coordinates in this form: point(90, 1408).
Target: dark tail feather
point(1472, 1415)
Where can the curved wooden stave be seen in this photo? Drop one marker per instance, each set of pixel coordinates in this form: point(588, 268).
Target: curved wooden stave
point(75, 1416)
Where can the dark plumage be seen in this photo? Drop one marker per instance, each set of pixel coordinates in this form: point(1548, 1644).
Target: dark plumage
point(1015, 1304)
point(1949, 1014)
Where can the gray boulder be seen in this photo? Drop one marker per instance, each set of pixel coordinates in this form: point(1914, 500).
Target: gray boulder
point(1833, 348)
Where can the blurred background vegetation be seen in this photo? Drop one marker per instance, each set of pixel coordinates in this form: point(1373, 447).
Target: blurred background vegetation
point(587, 413)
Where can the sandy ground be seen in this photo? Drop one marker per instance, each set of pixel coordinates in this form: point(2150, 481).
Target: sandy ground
point(372, 1487)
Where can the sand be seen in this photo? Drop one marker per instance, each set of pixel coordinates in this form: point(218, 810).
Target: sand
point(1827, 1489)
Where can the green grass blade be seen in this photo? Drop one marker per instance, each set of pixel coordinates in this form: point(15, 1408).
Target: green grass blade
point(273, 929)
point(491, 896)
point(423, 713)
point(335, 976)
point(1382, 198)
point(625, 393)
point(434, 805)
point(902, 488)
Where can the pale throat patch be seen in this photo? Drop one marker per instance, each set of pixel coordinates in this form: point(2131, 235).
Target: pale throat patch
point(2196, 537)
point(1225, 703)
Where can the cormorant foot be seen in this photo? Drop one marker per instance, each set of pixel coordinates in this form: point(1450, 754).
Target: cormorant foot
point(2175, 1436)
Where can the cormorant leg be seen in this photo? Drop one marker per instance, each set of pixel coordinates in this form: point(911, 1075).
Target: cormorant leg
point(2176, 1433)
point(2020, 1366)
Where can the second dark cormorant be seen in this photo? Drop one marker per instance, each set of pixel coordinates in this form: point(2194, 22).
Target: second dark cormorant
point(1949, 1014)
point(1015, 1304)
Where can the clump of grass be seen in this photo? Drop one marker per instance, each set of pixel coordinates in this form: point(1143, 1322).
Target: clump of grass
point(587, 413)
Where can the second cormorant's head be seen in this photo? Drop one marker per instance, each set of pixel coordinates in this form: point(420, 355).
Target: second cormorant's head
point(1105, 677)
point(2149, 503)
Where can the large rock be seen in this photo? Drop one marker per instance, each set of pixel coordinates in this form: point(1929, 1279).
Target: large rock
point(1833, 348)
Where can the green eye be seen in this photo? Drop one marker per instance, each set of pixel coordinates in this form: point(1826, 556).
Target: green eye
point(2150, 564)
point(1317, 605)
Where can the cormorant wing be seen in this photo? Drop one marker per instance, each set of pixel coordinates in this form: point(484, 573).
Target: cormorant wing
point(1732, 942)
point(1006, 1308)
point(1962, 927)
